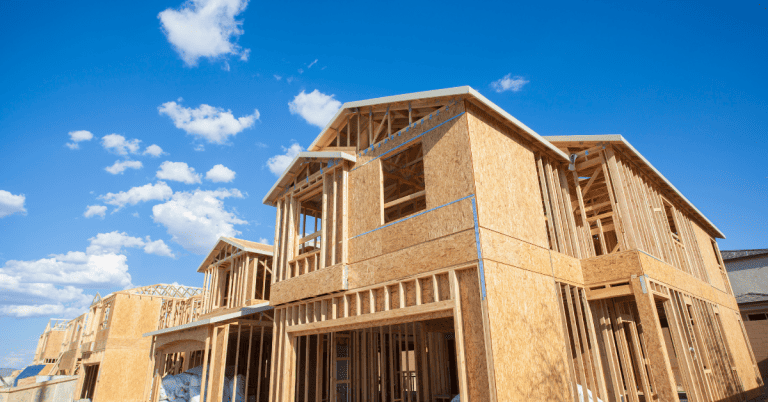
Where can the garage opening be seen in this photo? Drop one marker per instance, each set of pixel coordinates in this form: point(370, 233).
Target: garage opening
point(410, 362)
point(89, 383)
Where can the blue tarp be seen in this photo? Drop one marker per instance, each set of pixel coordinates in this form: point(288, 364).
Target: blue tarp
point(30, 371)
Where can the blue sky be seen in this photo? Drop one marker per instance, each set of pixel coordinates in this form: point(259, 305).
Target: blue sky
point(245, 85)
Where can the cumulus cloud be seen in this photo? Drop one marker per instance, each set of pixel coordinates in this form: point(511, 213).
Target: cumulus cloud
point(178, 171)
point(120, 166)
point(148, 192)
point(78, 136)
point(153, 150)
point(55, 285)
point(212, 124)
point(117, 144)
point(196, 219)
point(204, 28)
point(95, 210)
point(509, 83)
point(11, 204)
point(315, 107)
point(220, 174)
point(158, 247)
point(278, 163)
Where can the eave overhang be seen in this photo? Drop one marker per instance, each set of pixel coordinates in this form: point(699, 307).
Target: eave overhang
point(286, 179)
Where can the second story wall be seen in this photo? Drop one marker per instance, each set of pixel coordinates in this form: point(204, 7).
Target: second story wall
point(508, 195)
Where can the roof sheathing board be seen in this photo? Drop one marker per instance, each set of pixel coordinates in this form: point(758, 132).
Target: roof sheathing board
point(438, 93)
point(619, 139)
point(236, 243)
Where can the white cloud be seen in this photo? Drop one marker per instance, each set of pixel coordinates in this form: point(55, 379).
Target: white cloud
point(277, 77)
point(153, 150)
point(278, 163)
point(112, 243)
point(220, 174)
point(315, 107)
point(54, 285)
point(95, 210)
point(11, 204)
point(158, 247)
point(116, 143)
point(196, 219)
point(120, 166)
point(263, 240)
point(509, 83)
point(147, 192)
point(204, 28)
point(312, 64)
point(178, 171)
point(78, 136)
point(212, 124)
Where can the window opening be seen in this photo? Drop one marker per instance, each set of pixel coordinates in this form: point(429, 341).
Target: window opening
point(106, 317)
point(225, 291)
point(310, 223)
point(403, 185)
point(757, 317)
point(671, 221)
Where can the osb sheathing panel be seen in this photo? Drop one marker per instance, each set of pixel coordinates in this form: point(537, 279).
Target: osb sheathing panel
point(708, 254)
point(122, 373)
point(418, 229)
point(474, 341)
point(447, 169)
point(448, 163)
point(739, 349)
point(315, 283)
point(526, 335)
point(507, 187)
point(520, 254)
point(567, 268)
point(197, 335)
point(680, 280)
point(133, 316)
point(365, 198)
point(611, 267)
point(443, 252)
point(53, 345)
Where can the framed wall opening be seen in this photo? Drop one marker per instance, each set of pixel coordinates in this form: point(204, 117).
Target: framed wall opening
point(89, 381)
point(415, 361)
point(403, 189)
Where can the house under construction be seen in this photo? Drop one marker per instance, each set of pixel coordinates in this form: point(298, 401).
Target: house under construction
point(431, 246)
point(226, 330)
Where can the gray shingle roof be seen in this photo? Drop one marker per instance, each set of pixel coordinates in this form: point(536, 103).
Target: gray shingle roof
point(733, 254)
point(751, 298)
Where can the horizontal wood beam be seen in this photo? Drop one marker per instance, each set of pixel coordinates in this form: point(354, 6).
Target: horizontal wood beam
point(439, 309)
point(405, 199)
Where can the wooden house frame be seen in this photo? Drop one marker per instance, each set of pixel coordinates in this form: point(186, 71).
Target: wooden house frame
point(227, 329)
point(430, 244)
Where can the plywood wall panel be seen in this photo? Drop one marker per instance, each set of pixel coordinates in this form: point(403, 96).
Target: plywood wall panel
point(739, 349)
point(448, 162)
point(511, 251)
point(507, 188)
point(682, 281)
point(474, 338)
point(418, 229)
point(708, 255)
point(611, 267)
point(365, 198)
point(326, 280)
point(527, 338)
point(443, 252)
